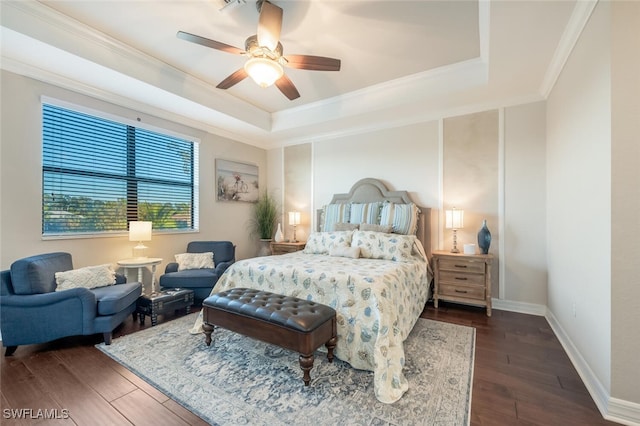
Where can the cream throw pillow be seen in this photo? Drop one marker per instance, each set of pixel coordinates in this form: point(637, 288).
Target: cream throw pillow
point(87, 277)
point(195, 260)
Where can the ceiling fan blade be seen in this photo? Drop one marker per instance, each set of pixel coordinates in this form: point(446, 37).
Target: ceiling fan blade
point(269, 25)
point(287, 87)
point(314, 63)
point(209, 43)
point(233, 79)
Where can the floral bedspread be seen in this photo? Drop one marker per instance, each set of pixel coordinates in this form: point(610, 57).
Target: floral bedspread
point(377, 304)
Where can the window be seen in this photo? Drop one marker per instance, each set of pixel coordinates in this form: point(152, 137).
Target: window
point(98, 175)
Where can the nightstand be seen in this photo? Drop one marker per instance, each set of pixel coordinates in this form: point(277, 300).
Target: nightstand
point(462, 278)
point(282, 248)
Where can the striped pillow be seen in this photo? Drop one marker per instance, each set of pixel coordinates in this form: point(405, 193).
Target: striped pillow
point(365, 212)
point(402, 217)
point(335, 213)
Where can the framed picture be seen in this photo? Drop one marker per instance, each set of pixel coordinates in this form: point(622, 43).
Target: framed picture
point(237, 181)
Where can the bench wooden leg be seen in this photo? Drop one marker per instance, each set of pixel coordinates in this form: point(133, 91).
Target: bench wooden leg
point(331, 344)
point(208, 329)
point(306, 363)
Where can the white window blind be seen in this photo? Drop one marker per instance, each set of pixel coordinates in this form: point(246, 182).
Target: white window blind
point(98, 175)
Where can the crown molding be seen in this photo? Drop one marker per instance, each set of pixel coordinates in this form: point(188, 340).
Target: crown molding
point(578, 20)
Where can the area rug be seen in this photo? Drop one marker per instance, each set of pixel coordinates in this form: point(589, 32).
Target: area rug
point(238, 380)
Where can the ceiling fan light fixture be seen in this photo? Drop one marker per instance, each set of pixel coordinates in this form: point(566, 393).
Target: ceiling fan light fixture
point(263, 71)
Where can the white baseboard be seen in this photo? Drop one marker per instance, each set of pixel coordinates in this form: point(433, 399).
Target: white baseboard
point(520, 307)
point(613, 409)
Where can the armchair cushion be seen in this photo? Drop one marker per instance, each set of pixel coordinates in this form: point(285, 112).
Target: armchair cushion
point(201, 281)
point(87, 277)
point(36, 274)
point(114, 299)
point(190, 278)
point(194, 260)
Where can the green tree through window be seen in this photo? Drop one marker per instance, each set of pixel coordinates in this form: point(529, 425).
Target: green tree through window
point(98, 175)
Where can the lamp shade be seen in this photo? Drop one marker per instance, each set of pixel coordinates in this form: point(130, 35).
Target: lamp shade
point(454, 219)
point(294, 218)
point(263, 71)
point(140, 231)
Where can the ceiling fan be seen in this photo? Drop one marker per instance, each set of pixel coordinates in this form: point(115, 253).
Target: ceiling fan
point(266, 59)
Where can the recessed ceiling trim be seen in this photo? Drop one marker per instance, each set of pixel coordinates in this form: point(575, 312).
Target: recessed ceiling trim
point(50, 27)
point(420, 86)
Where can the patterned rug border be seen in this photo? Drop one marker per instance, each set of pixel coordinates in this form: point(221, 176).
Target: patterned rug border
point(189, 319)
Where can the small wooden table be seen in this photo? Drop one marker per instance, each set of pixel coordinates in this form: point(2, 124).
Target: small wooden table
point(462, 278)
point(287, 247)
point(165, 301)
point(140, 263)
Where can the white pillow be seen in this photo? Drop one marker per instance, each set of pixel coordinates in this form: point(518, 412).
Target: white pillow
point(376, 245)
point(322, 242)
point(195, 260)
point(342, 251)
point(87, 277)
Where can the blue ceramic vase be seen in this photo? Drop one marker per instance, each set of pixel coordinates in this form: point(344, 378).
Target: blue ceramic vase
point(484, 238)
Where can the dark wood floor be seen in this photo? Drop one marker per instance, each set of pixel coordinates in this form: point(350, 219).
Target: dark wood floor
point(522, 376)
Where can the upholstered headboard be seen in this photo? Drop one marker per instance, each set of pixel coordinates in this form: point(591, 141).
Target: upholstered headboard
point(370, 190)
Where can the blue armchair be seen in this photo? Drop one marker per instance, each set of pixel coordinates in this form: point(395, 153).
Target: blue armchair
point(31, 311)
point(201, 281)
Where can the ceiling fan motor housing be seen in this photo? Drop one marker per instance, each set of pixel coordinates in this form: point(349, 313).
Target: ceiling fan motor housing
point(253, 48)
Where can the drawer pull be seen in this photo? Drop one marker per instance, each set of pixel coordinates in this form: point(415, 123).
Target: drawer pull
point(461, 291)
point(460, 266)
point(461, 278)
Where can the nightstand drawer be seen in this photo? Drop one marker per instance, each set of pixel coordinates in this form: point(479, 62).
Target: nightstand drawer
point(468, 292)
point(461, 265)
point(284, 248)
point(455, 278)
point(287, 248)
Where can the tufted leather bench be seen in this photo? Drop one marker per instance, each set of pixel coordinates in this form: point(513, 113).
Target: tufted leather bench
point(295, 324)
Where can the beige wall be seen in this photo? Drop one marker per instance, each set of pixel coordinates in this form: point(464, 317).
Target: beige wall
point(525, 223)
point(625, 201)
point(21, 186)
point(579, 196)
point(470, 176)
point(405, 158)
point(297, 189)
point(593, 207)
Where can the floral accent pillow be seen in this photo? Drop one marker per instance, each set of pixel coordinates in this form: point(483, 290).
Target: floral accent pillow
point(87, 277)
point(322, 242)
point(376, 245)
point(195, 260)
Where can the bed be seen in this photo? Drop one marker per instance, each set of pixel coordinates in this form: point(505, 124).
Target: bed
point(377, 281)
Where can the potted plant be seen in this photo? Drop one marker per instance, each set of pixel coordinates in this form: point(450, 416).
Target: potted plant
point(264, 221)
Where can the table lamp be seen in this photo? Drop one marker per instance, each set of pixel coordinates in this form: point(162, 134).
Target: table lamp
point(454, 219)
point(294, 219)
point(140, 231)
